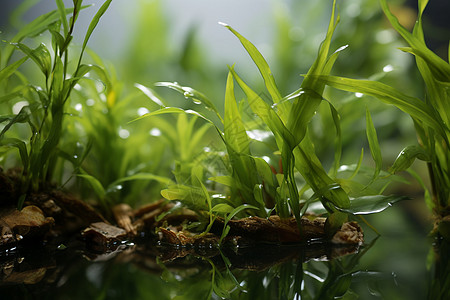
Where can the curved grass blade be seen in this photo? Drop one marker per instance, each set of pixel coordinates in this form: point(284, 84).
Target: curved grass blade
point(416, 108)
point(373, 145)
point(6, 72)
point(195, 95)
point(407, 156)
point(139, 176)
point(92, 26)
point(260, 62)
point(371, 204)
point(150, 94)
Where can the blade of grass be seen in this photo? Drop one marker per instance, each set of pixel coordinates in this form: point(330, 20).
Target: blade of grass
point(373, 145)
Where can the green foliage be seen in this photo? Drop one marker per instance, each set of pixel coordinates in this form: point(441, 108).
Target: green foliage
point(431, 115)
point(250, 179)
point(45, 106)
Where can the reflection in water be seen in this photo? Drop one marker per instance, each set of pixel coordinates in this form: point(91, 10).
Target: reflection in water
point(315, 271)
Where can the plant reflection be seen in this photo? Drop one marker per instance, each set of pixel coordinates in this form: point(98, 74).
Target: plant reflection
point(314, 271)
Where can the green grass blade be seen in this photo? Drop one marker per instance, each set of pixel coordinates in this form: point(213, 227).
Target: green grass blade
point(338, 143)
point(40, 55)
point(195, 95)
point(305, 105)
point(373, 145)
point(62, 13)
point(416, 108)
point(95, 184)
point(234, 130)
point(407, 156)
point(415, 42)
point(92, 26)
point(35, 27)
point(261, 63)
point(265, 112)
point(150, 94)
point(6, 72)
point(20, 145)
point(371, 204)
point(140, 176)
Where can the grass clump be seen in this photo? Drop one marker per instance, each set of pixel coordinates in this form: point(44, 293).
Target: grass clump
point(431, 115)
point(44, 106)
point(255, 186)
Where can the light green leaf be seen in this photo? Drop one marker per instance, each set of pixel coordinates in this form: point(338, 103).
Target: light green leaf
point(195, 95)
point(222, 208)
point(371, 204)
point(261, 63)
point(6, 72)
point(140, 176)
point(373, 144)
point(225, 180)
point(234, 130)
point(40, 55)
point(92, 26)
point(407, 156)
point(416, 108)
point(150, 94)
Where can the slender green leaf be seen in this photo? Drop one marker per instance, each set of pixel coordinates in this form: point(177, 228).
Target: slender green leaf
point(371, 204)
point(21, 146)
point(261, 63)
point(234, 130)
point(95, 184)
point(416, 108)
point(62, 13)
point(150, 94)
point(22, 117)
point(225, 180)
point(40, 55)
point(407, 156)
point(140, 176)
point(190, 93)
point(222, 208)
point(373, 144)
point(35, 27)
point(6, 72)
point(92, 26)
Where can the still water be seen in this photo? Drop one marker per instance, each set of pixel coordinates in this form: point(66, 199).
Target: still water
point(395, 265)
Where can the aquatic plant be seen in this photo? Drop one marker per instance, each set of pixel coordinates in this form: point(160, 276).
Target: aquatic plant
point(256, 187)
point(431, 115)
point(43, 107)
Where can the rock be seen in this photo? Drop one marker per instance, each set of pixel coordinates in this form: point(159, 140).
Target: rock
point(104, 235)
point(28, 223)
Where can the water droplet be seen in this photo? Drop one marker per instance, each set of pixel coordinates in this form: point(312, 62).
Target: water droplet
point(78, 107)
point(142, 111)
point(388, 68)
point(155, 132)
point(123, 133)
point(359, 95)
point(90, 102)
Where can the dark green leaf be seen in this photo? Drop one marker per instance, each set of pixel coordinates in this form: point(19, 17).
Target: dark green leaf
point(373, 144)
point(95, 184)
